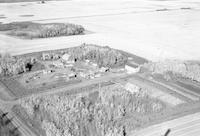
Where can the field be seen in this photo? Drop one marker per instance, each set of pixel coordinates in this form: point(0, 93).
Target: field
point(132, 26)
point(11, 1)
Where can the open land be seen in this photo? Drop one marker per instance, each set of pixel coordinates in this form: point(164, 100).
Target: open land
point(14, 1)
point(137, 25)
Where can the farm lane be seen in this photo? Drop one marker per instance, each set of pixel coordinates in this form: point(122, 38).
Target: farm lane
point(6, 106)
point(80, 85)
point(184, 126)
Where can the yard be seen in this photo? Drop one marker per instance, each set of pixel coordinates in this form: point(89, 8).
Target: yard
point(40, 71)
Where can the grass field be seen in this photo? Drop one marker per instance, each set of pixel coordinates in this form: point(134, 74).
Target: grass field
point(11, 1)
point(133, 26)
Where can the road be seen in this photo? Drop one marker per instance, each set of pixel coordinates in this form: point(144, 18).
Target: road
point(180, 90)
point(162, 91)
point(185, 126)
point(6, 107)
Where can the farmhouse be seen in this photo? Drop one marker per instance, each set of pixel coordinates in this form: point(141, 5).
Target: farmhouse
point(131, 70)
point(66, 58)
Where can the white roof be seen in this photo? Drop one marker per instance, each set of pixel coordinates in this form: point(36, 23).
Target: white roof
point(65, 57)
point(131, 69)
point(131, 87)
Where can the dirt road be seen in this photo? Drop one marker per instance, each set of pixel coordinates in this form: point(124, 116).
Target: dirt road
point(6, 106)
point(78, 85)
point(24, 130)
point(185, 126)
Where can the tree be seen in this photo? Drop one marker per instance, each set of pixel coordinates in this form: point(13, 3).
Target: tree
point(42, 1)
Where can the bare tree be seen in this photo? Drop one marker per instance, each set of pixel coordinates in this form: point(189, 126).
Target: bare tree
point(42, 1)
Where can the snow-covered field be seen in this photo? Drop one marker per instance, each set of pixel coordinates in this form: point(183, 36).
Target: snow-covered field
point(136, 26)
